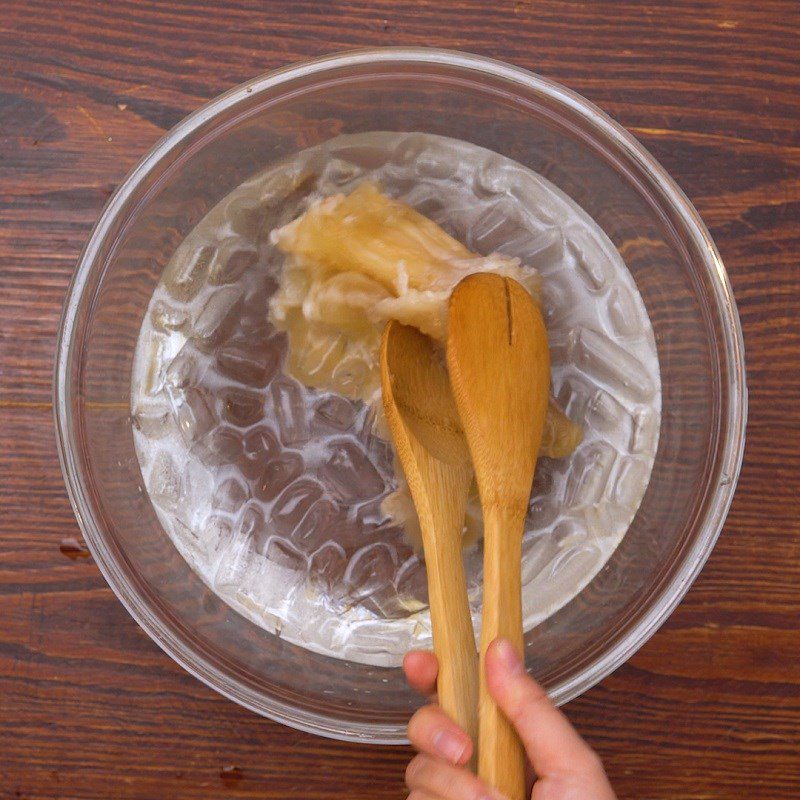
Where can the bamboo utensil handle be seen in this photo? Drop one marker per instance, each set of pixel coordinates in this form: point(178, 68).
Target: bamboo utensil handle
point(501, 757)
point(453, 634)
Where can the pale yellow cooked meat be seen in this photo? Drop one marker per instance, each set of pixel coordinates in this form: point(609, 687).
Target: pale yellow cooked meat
point(357, 261)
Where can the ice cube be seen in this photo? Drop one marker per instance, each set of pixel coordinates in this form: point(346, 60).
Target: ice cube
point(230, 496)
point(527, 191)
point(293, 503)
point(232, 568)
point(193, 413)
point(252, 526)
point(369, 569)
point(494, 175)
point(558, 300)
point(251, 363)
point(608, 361)
point(254, 320)
point(320, 524)
point(381, 454)
point(166, 484)
point(277, 474)
point(496, 226)
point(337, 173)
point(589, 474)
point(328, 564)
point(200, 480)
point(428, 158)
point(453, 217)
point(347, 529)
point(562, 347)
point(290, 410)
point(230, 266)
point(217, 318)
point(544, 252)
point(183, 534)
point(220, 446)
point(386, 603)
point(333, 413)
point(590, 266)
point(412, 582)
point(569, 533)
point(372, 431)
point(437, 161)
point(372, 515)
point(241, 407)
point(537, 551)
point(247, 216)
point(349, 472)
point(367, 638)
point(187, 270)
point(284, 554)
point(153, 379)
point(408, 149)
point(574, 396)
point(168, 318)
point(544, 507)
point(570, 564)
point(153, 419)
point(622, 311)
point(274, 187)
point(215, 534)
point(259, 445)
point(349, 376)
point(645, 431)
point(605, 414)
point(631, 481)
point(369, 155)
point(601, 521)
point(186, 369)
point(542, 479)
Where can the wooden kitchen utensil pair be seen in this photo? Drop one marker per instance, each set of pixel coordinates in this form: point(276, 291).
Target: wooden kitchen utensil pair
point(485, 412)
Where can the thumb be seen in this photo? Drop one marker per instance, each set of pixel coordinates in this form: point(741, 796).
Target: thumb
point(554, 747)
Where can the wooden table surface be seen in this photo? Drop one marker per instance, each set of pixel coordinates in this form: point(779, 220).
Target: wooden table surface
point(89, 706)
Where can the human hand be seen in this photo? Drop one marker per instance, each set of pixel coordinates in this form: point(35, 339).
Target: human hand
point(563, 766)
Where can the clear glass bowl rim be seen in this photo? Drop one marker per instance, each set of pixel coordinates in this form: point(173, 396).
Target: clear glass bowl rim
point(604, 127)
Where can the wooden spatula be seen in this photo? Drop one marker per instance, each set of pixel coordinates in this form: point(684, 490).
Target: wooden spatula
point(431, 447)
point(499, 368)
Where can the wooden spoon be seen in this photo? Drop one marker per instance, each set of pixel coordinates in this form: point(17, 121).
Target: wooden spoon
point(499, 368)
point(430, 444)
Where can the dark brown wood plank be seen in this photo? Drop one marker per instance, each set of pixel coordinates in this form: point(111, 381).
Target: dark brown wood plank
point(89, 707)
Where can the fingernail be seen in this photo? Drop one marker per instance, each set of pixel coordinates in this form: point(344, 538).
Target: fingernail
point(509, 656)
point(449, 746)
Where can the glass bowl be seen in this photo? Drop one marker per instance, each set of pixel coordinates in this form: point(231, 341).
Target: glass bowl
point(545, 127)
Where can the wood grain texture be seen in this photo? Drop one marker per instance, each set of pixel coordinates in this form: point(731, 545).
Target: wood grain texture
point(430, 445)
point(89, 706)
point(499, 366)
